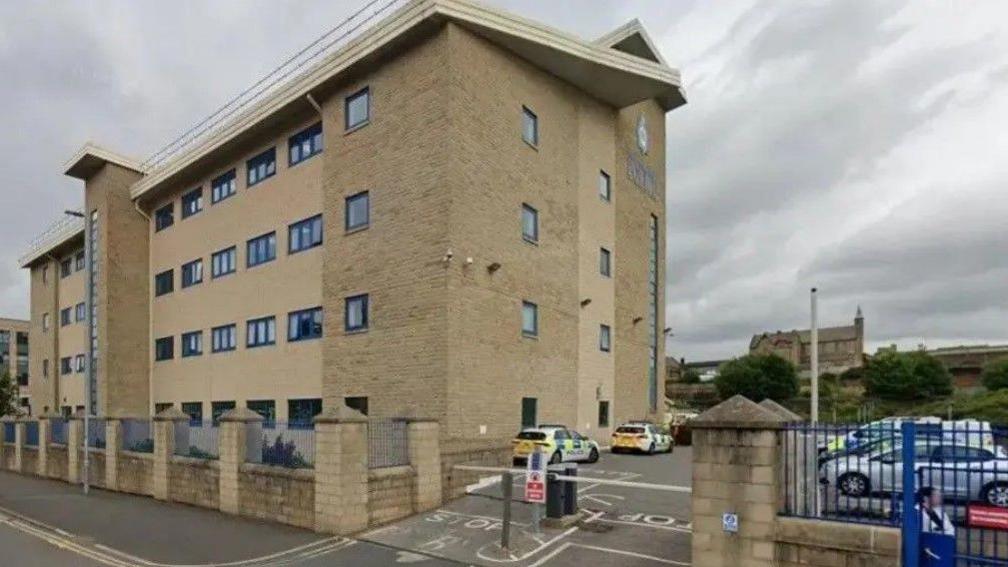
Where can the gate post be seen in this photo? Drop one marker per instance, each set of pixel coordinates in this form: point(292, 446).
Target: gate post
point(909, 528)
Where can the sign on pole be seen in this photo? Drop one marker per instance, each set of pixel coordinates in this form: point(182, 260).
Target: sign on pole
point(535, 478)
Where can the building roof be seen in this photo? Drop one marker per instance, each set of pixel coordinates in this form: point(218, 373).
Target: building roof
point(968, 349)
point(706, 364)
point(59, 233)
point(15, 324)
point(90, 157)
point(632, 38)
point(826, 334)
point(617, 74)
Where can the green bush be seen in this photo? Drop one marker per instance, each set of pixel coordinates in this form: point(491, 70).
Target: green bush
point(691, 376)
point(906, 376)
point(853, 374)
point(8, 395)
point(995, 375)
point(757, 377)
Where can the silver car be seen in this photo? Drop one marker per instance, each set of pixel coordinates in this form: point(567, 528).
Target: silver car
point(962, 472)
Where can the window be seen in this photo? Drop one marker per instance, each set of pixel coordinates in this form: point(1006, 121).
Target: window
point(45, 274)
point(45, 322)
point(164, 217)
point(164, 348)
point(265, 408)
point(65, 365)
point(528, 412)
point(359, 403)
point(192, 343)
point(260, 332)
point(530, 319)
point(192, 273)
point(305, 144)
point(80, 312)
point(604, 262)
point(305, 234)
point(79, 261)
point(224, 262)
point(261, 167)
point(604, 338)
point(164, 282)
point(356, 313)
point(358, 109)
point(45, 367)
point(260, 250)
point(305, 324)
point(604, 187)
point(79, 363)
point(217, 409)
point(530, 224)
point(66, 267)
point(192, 202)
point(303, 412)
point(222, 187)
point(161, 406)
point(358, 214)
point(64, 317)
point(195, 412)
point(603, 414)
point(223, 338)
point(530, 127)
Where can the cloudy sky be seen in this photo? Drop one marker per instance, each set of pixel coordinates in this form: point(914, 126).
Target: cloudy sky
point(856, 146)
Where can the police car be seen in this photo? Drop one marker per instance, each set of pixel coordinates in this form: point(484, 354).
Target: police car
point(641, 436)
point(558, 442)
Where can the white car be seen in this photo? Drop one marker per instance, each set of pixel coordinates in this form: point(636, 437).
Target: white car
point(641, 437)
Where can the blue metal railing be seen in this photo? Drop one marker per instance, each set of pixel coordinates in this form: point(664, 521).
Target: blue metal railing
point(8, 432)
point(282, 444)
point(31, 434)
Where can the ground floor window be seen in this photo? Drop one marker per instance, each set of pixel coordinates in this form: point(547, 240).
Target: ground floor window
point(603, 414)
point(158, 408)
point(528, 412)
point(302, 412)
point(217, 409)
point(195, 412)
point(359, 403)
point(265, 408)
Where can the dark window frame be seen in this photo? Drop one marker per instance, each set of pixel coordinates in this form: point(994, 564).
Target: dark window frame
point(605, 338)
point(534, 332)
point(267, 341)
point(351, 200)
point(232, 335)
point(265, 158)
point(365, 323)
point(607, 195)
point(533, 238)
point(605, 262)
point(229, 178)
point(295, 320)
point(159, 285)
point(160, 354)
point(164, 217)
point(192, 203)
point(189, 266)
point(186, 351)
point(254, 242)
point(296, 226)
point(316, 144)
point(220, 253)
point(530, 117)
point(350, 99)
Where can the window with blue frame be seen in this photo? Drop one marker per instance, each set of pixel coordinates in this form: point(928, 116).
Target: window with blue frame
point(305, 234)
point(260, 332)
point(217, 409)
point(223, 187)
point(357, 109)
point(79, 261)
point(305, 144)
point(358, 211)
point(224, 338)
point(66, 365)
point(164, 217)
point(605, 338)
point(192, 273)
point(192, 202)
point(260, 250)
point(164, 348)
point(302, 412)
point(265, 408)
point(195, 412)
point(261, 167)
point(304, 324)
point(224, 262)
point(192, 343)
point(64, 321)
point(164, 283)
point(356, 318)
point(81, 312)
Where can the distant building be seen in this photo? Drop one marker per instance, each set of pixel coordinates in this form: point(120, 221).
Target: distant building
point(964, 362)
point(840, 348)
point(14, 356)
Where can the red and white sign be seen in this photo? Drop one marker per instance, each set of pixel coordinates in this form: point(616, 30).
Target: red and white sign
point(987, 517)
point(535, 479)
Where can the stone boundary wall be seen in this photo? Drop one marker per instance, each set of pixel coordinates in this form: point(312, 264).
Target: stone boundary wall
point(298, 497)
point(464, 452)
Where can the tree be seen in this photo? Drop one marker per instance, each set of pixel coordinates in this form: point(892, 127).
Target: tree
point(852, 374)
point(691, 376)
point(995, 375)
point(8, 395)
point(906, 376)
point(757, 377)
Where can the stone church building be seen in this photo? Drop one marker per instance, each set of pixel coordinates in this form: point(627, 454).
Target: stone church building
point(840, 348)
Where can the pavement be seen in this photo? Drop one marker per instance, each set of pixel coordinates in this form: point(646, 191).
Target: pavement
point(46, 522)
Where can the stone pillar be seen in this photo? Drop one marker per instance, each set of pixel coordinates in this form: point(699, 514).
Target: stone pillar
point(341, 471)
point(736, 470)
point(164, 448)
point(233, 445)
point(75, 439)
point(43, 445)
point(425, 457)
point(19, 442)
point(113, 431)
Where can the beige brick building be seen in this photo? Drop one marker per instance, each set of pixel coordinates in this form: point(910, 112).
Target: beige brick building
point(458, 214)
point(14, 353)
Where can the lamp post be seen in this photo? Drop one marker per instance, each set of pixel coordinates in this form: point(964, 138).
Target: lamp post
point(87, 389)
point(814, 356)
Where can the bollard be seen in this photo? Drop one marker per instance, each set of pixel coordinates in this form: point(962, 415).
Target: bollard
point(507, 483)
point(554, 492)
point(570, 490)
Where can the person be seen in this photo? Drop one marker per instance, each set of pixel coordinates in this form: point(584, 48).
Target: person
point(933, 519)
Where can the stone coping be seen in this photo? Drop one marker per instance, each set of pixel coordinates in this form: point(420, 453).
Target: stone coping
point(194, 462)
point(172, 414)
point(847, 536)
point(278, 472)
point(136, 455)
point(390, 472)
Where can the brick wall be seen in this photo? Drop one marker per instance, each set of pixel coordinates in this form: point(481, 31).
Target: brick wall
point(135, 473)
point(462, 452)
point(7, 459)
point(96, 470)
point(814, 543)
point(194, 481)
point(29, 460)
point(390, 494)
point(277, 494)
point(56, 461)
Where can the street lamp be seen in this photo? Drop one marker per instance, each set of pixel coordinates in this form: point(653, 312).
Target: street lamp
point(87, 388)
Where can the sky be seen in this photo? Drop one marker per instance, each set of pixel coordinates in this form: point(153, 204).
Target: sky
point(857, 147)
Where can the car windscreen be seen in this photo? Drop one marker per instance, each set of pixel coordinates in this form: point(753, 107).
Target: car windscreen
point(532, 435)
point(633, 430)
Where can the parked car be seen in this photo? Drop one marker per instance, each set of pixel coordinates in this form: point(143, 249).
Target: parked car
point(642, 436)
point(559, 443)
point(962, 472)
point(884, 428)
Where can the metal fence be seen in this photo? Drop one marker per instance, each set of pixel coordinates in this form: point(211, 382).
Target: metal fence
point(31, 434)
point(197, 439)
point(8, 432)
point(388, 445)
point(96, 433)
point(136, 436)
point(281, 444)
point(58, 431)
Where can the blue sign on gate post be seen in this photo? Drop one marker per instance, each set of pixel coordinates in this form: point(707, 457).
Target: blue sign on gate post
point(910, 529)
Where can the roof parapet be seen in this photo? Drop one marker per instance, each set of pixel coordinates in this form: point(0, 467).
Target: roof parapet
point(58, 233)
point(90, 157)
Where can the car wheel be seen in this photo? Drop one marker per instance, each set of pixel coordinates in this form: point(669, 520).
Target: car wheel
point(671, 447)
point(593, 456)
point(996, 494)
point(853, 484)
point(556, 458)
point(650, 449)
